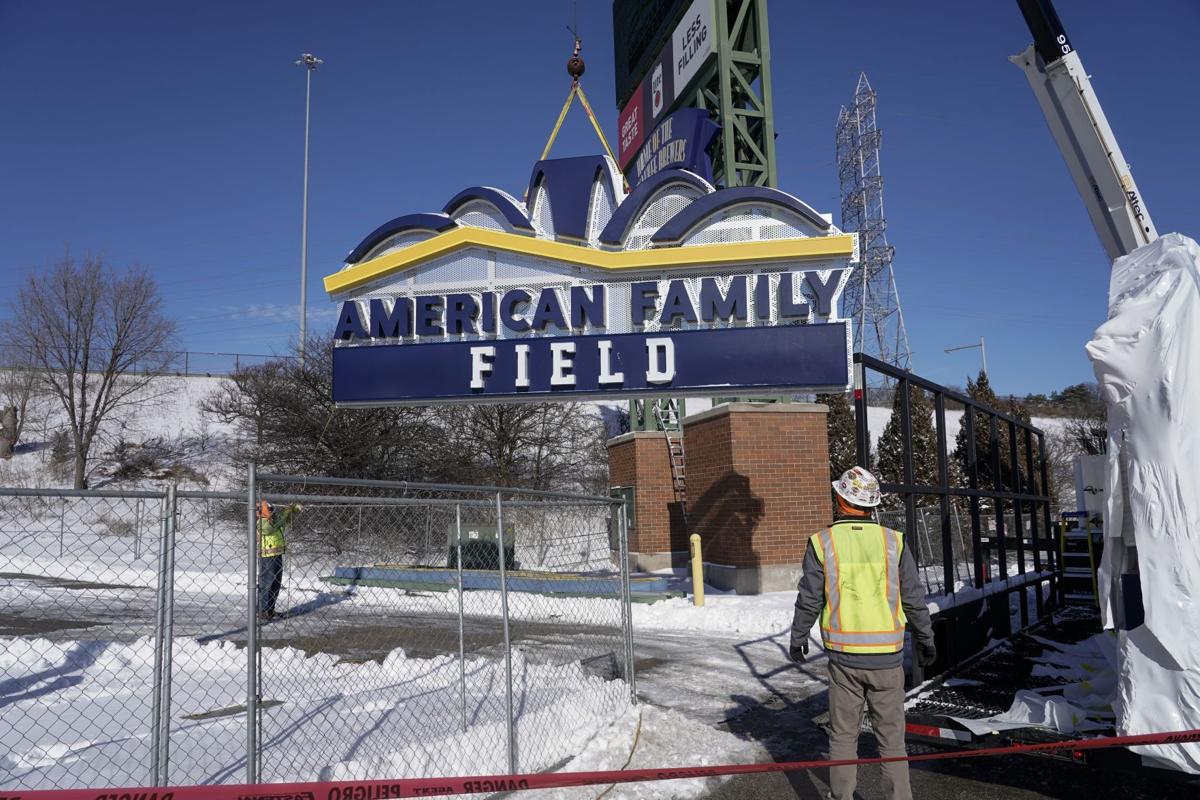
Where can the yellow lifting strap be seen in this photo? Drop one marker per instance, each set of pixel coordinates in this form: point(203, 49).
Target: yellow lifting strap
point(577, 90)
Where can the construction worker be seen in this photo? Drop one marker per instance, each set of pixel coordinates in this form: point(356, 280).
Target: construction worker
point(272, 527)
point(861, 581)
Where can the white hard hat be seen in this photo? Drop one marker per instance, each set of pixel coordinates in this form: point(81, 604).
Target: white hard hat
point(858, 487)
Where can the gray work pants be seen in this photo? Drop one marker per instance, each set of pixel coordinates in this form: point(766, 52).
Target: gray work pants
point(883, 692)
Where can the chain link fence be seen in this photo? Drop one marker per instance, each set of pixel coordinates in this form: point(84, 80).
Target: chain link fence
point(420, 630)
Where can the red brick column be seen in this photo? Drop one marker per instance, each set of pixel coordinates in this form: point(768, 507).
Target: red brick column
point(758, 488)
point(642, 460)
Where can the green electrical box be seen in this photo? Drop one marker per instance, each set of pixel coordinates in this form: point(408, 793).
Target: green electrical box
point(480, 549)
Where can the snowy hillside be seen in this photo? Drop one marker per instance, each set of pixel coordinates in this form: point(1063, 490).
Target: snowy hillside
point(169, 409)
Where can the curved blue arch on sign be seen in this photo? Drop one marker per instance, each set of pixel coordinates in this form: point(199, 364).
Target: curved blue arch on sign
point(683, 223)
point(503, 202)
point(617, 229)
point(568, 183)
point(409, 222)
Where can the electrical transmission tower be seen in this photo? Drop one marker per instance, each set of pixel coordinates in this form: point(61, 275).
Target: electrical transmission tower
point(871, 300)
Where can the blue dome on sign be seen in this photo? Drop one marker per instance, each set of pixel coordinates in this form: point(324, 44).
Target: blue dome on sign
point(583, 201)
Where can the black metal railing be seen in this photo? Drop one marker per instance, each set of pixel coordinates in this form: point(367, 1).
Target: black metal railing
point(1018, 490)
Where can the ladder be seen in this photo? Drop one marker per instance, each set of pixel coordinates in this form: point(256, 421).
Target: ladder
point(666, 414)
point(1079, 552)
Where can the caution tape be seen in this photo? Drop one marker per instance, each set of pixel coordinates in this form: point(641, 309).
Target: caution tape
point(440, 787)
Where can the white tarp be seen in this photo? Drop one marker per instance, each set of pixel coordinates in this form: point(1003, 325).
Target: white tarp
point(1081, 706)
point(1147, 361)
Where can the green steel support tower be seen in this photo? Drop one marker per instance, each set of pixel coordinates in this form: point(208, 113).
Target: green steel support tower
point(735, 89)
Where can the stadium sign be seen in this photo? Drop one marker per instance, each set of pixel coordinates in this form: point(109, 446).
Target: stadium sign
point(677, 288)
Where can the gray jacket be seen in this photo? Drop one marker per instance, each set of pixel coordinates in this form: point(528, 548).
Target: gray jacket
point(810, 601)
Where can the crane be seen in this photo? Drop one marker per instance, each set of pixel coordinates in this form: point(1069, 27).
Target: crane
point(1064, 92)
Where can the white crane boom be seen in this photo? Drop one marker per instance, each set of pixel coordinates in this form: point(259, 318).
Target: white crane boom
point(1084, 138)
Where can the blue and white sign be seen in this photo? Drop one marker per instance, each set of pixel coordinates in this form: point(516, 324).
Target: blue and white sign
point(694, 362)
point(585, 291)
point(680, 141)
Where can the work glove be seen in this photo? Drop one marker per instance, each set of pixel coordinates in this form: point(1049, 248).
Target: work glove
point(799, 651)
point(926, 654)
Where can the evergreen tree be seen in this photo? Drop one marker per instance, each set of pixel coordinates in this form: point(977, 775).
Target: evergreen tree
point(890, 464)
point(843, 451)
point(980, 390)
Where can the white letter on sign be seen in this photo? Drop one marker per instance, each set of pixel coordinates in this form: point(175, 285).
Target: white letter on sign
point(522, 351)
point(561, 362)
point(666, 346)
point(479, 367)
point(606, 373)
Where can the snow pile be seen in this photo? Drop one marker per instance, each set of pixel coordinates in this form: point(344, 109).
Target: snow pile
point(1145, 359)
point(77, 714)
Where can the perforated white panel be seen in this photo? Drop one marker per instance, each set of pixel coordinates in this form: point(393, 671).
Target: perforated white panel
point(482, 215)
point(600, 211)
point(466, 266)
point(397, 242)
point(658, 212)
point(543, 223)
point(750, 223)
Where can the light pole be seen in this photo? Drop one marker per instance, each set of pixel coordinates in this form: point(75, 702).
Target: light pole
point(310, 63)
point(982, 352)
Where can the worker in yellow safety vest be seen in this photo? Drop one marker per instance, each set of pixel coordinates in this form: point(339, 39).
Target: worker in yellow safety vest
point(272, 543)
point(862, 582)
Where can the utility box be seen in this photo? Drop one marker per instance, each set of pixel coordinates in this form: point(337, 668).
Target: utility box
point(1089, 484)
point(479, 547)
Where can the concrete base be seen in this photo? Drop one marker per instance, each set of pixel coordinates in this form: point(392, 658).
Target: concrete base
point(753, 580)
point(652, 562)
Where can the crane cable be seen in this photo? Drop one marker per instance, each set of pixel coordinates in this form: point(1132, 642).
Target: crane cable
point(577, 91)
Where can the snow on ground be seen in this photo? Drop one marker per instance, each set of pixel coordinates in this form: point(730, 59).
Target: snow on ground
point(168, 408)
point(74, 714)
point(648, 737)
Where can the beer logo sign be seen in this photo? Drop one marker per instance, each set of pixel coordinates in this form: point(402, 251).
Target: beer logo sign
point(656, 90)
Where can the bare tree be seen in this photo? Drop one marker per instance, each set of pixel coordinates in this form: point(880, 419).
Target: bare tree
point(19, 390)
point(535, 446)
point(97, 338)
point(283, 410)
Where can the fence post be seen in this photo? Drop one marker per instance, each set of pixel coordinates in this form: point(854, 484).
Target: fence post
point(462, 655)
point(626, 608)
point(948, 561)
point(973, 483)
point(508, 678)
point(164, 741)
point(137, 529)
point(160, 624)
point(251, 629)
point(62, 527)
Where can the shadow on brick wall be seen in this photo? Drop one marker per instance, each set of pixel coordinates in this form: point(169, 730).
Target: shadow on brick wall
point(726, 515)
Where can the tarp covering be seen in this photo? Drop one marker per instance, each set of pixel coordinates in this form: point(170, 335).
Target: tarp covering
point(1147, 360)
point(1081, 705)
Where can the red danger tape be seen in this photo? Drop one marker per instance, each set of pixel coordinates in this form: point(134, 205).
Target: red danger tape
point(439, 787)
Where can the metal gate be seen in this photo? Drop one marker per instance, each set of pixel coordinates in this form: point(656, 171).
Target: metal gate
point(1007, 552)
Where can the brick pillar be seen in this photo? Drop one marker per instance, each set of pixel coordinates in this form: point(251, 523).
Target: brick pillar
point(758, 488)
point(656, 536)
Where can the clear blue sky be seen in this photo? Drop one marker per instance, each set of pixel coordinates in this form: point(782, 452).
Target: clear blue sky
point(171, 135)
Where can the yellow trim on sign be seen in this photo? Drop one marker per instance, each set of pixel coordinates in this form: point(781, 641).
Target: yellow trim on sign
point(698, 256)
